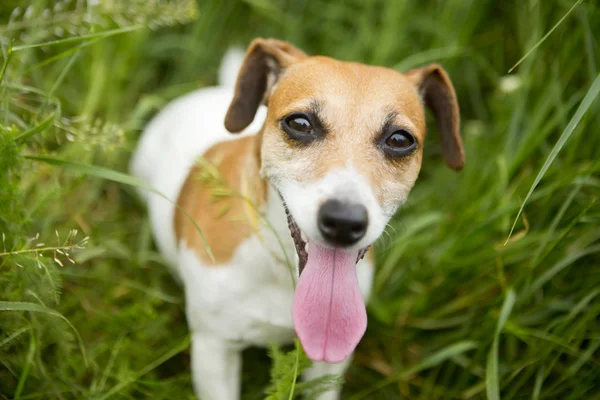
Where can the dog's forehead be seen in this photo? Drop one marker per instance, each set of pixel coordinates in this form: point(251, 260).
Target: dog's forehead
point(346, 89)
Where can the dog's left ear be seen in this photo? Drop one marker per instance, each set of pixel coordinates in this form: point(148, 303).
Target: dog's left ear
point(437, 91)
point(263, 64)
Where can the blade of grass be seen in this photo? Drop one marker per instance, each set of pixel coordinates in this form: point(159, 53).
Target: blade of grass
point(581, 361)
point(168, 355)
point(42, 126)
point(32, 307)
point(25, 372)
point(492, 379)
point(435, 359)
point(543, 39)
point(13, 335)
point(565, 231)
point(555, 221)
point(111, 361)
point(439, 357)
point(75, 39)
point(539, 380)
point(297, 361)
point(9, 52)
point(428, 56)
point(61, 55)
point(59, 81)
point(583, 107)
point(556, 268)
point(63, 74)
point(118, 177)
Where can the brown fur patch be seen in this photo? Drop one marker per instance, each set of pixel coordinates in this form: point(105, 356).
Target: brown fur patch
point(211, 196)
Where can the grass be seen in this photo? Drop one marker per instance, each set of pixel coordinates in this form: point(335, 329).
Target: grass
point(461, 309)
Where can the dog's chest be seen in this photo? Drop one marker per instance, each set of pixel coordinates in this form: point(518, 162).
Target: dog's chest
point(248, 301)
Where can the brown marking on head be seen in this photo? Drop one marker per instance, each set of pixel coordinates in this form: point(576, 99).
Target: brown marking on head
point(224, 218)
point(353, 102)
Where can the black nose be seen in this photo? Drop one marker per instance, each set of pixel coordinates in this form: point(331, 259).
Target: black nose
point(342, 223)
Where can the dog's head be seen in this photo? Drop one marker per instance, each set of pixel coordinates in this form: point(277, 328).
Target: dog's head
point(343, 144)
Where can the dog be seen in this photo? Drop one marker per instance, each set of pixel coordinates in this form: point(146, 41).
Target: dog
point(269, 230)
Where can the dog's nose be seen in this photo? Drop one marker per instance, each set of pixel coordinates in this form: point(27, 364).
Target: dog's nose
point(342, 223)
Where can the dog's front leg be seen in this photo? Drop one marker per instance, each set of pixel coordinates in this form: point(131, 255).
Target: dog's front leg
point(322, 368)
point(216, 368)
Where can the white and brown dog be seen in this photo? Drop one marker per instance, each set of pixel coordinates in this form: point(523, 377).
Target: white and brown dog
point(330, 159)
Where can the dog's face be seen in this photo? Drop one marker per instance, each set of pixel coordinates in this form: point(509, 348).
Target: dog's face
point(343, 144)
point(343, 141)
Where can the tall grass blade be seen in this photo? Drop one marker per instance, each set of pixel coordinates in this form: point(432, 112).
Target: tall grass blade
point(42, 126)
point(9, 53)
point(75, 39)
point(492, 378)
point(543, 39)
point(583, 107)
point(27, 367)
point(296, 364)
point(558, 267)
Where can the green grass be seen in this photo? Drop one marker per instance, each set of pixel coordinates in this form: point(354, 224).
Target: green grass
point(456, 312)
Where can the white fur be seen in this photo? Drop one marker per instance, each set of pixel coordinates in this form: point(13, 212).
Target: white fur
point(248, 301)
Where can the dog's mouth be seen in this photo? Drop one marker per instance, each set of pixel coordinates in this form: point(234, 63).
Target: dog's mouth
point(328, 309)
point(301, 242)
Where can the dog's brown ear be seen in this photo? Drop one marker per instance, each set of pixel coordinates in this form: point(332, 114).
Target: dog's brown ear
point(263, 64)
point(437, 91)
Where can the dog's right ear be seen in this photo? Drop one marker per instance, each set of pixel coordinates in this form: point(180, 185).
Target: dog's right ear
point(263, 64)
point(437, 91)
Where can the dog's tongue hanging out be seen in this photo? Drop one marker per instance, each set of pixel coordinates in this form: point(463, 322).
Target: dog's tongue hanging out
point(329, 311)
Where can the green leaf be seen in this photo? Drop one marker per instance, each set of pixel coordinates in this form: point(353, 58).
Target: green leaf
point(32, 307)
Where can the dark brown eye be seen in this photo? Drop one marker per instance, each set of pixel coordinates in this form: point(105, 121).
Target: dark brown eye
point(299, 124)
point(400, 140)
point(398, 143)
point(301, 127)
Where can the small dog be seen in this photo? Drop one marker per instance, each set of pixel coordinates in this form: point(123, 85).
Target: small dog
point(315, 176)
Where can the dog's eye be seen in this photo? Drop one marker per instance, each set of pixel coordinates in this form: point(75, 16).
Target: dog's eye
point(299, 124)
point(299, 127)
point(400, 140)
point(399, 143)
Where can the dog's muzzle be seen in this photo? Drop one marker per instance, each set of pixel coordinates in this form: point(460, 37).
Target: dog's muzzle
point(348, 229)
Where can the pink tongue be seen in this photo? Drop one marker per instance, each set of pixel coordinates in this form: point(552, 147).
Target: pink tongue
point(329, 311)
